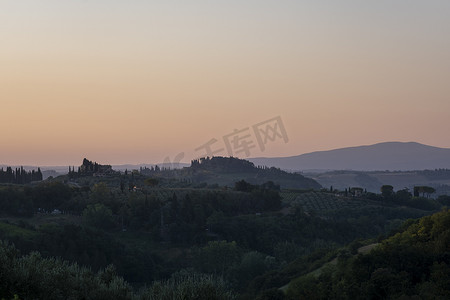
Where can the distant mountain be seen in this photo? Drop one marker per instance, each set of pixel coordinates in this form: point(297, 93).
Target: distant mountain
point(383, 156)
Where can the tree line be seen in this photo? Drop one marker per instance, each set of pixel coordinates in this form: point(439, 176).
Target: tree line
point(19, 175)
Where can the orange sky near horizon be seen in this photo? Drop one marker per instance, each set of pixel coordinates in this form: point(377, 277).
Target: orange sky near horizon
point(134, 82)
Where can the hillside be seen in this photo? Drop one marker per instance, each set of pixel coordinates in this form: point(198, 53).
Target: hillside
point(243, 241)
point(226, 171)
point(412, 264)
point(372, 181)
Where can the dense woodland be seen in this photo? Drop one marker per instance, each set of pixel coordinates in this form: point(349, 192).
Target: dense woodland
point(136, 235)
point(415, 262)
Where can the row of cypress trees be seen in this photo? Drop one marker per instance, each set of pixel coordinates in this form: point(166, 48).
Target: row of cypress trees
point(19, 175)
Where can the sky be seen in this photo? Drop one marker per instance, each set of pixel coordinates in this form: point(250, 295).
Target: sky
point(143, 81)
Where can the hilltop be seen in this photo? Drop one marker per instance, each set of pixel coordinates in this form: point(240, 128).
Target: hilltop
point(226, 171)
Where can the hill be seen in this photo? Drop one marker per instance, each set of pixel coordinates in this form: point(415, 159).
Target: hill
point(152, 234)
point(372, 181)
point(228, 170)
point(383, 156)
point(412, 264)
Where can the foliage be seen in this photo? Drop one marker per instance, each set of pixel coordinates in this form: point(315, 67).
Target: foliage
point(387, 191)
point(34, 277)
point(49, 195)
point(444, 200)
point(98, 215)
point(228, 169)
point(414, 262)
point(86, 246)
point(151, 182)
point(247, 236)
point(19, 176)
point(189, 285)
point(217, 256)
point(423, 190)
point(15, 201)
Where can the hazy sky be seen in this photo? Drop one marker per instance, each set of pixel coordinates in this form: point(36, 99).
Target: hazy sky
point(136, 81)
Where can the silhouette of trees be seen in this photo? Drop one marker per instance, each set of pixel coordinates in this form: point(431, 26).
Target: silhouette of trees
point(89, 168)
point(387, 191)
point(428, 190)
point(19, 176)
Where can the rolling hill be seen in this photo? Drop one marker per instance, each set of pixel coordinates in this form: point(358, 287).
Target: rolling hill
point(225, 171)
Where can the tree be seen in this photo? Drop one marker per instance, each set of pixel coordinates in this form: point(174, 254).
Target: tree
point(429, 190)
point(35, 277)
point(403, 195)
point(100, 193)
point(243, 186)
point(98, 215)
point(217, 256)
point(152, 182)
point(252, 264)
point(387, 191)
point(423, 190)
point(444, 200)
point(189, 285)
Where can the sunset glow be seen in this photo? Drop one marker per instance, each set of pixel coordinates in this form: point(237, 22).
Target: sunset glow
point(135, 82)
